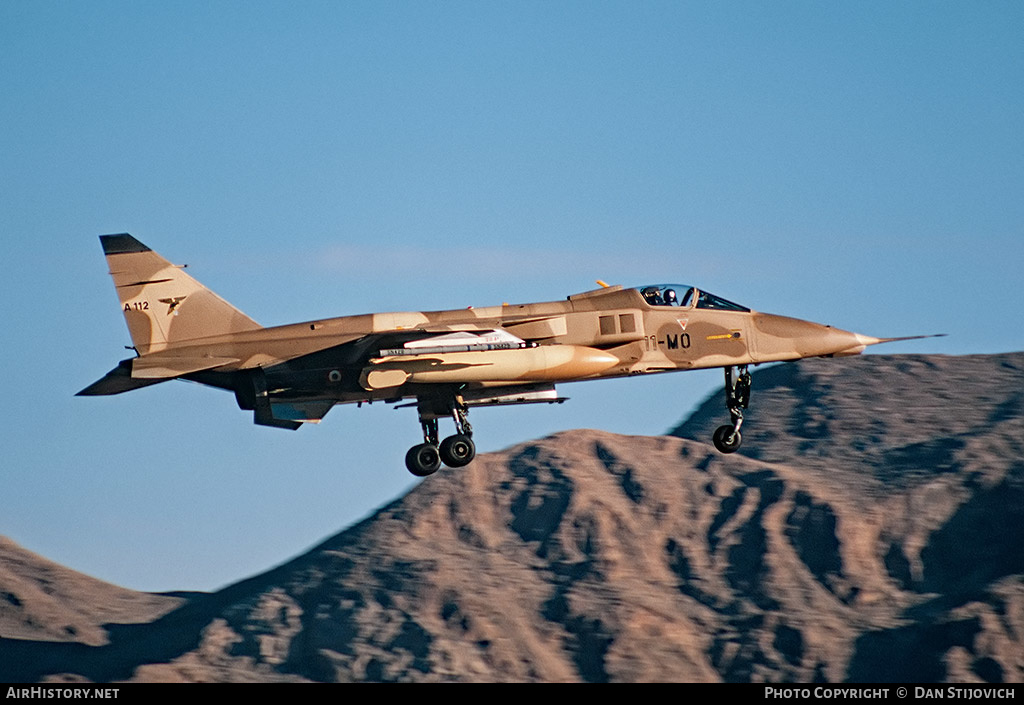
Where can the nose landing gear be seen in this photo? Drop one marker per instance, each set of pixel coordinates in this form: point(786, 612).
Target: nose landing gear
point(737, 397)
point(454, 451)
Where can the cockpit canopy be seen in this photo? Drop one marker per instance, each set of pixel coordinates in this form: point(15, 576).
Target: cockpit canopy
point(682, 296)
point(668, 295)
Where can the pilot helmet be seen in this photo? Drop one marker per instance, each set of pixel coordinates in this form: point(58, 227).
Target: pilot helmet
point(670, 296)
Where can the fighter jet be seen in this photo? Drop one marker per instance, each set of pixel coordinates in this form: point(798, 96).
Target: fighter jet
point(443, 363)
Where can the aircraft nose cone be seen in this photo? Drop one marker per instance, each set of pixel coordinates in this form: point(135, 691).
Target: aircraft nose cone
point(783, 338)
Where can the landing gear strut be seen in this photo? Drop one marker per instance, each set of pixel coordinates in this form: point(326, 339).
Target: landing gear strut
point(454, 451)
point(737, 397)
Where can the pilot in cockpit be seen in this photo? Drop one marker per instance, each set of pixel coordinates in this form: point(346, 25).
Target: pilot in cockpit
point(670, 297)
point(652, 296)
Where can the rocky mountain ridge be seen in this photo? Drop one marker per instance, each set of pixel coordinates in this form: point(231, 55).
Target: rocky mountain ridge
point(869, 530)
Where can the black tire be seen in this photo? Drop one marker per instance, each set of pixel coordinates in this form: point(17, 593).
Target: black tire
point(458, 450)
point(726, 440)
point(423, 460)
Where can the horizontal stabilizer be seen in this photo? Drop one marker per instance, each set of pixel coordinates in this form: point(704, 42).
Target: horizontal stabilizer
point(166, 367)
point(116, 381)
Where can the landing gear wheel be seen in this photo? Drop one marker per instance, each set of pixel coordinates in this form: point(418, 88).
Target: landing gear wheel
point(727, 439)
point(423, 460)
point(737, 397)
point(458, 450)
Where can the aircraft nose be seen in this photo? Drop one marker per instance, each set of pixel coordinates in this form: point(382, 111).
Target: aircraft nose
point(783, 338)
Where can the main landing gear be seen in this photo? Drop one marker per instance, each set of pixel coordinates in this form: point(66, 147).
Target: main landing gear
point(454, 451)
point(737, 397)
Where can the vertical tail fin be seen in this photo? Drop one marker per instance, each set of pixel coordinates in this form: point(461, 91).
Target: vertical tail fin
point(162, 305)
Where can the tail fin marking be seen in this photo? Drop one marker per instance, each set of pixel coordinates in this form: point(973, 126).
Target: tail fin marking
point(163, 305)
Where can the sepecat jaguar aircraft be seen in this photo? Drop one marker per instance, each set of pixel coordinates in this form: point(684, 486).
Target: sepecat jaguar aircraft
point(444, 362)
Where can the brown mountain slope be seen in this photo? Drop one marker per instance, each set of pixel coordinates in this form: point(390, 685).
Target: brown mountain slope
point(42, 600)
point(863, 545)
point(882, 421)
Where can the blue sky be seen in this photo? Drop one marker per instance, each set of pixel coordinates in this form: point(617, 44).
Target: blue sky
point(857, 164)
